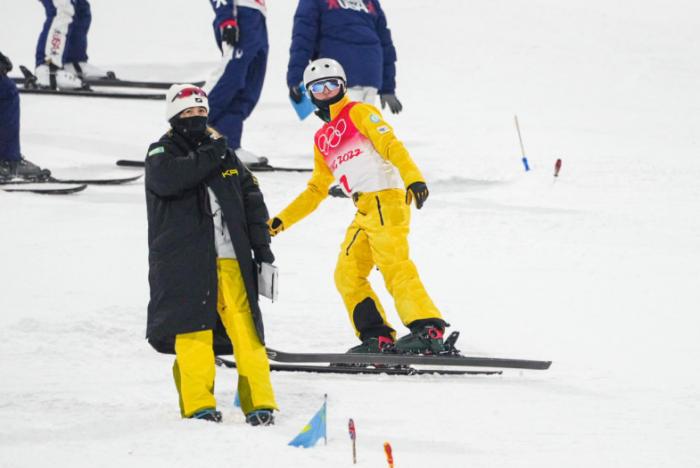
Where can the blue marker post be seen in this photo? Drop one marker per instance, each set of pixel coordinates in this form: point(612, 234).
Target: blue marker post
point(522, 148)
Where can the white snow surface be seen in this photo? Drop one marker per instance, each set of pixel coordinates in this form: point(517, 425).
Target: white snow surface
point(598, 270)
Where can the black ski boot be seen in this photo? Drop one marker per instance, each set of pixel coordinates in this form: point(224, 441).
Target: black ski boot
point(5, 173)
point(375, 344)
point(23, 169)
point(425, 338)
point(208, 414)
point(261, 417)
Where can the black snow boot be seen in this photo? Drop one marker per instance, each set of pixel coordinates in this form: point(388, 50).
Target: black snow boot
point(23, 169)
point(208, 414)
point(375, 344)
point(261, 417)
point(426, 337)
point(5, 173)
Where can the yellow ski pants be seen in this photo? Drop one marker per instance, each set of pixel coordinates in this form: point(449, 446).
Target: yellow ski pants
point(193, 369)
point(378, 235)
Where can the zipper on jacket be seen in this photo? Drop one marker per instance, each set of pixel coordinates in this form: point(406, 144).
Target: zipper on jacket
point(347, 250)
point(379, 207)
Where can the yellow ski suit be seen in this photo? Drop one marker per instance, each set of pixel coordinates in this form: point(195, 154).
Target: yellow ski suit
point(359, 148)
point(194, 369)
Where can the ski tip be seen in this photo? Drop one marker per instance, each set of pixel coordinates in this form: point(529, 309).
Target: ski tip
point(44, 188)
point(130, 163)
point(111, 181)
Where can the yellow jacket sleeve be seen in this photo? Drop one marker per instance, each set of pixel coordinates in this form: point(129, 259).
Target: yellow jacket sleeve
point(369, 122)
point(309, 199)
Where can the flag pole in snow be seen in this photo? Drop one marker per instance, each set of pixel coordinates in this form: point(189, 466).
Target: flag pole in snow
point(325, 419)
point(522, 147)
point(353, 437)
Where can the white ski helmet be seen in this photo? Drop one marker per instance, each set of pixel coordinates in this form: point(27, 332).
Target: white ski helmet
point(322, 69)
point(183, 96)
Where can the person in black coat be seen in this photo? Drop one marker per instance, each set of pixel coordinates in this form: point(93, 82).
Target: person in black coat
point(207, 233)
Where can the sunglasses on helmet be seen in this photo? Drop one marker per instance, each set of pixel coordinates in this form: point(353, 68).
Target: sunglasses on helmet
point(187, 92)
point(331, 84)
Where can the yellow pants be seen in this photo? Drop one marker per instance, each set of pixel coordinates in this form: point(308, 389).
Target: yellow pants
point(193, 369)
point(378, 235)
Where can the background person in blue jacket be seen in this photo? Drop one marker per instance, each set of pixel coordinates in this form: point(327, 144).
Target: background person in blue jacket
point(353, 32)
point(12, 164)
point(234, 87)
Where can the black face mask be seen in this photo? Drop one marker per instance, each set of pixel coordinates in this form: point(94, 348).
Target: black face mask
point(192, 128)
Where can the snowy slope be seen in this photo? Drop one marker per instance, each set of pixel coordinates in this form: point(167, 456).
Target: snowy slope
point(598, 271)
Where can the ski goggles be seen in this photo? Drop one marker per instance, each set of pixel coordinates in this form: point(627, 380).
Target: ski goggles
point(187, 92)
point(331, 84)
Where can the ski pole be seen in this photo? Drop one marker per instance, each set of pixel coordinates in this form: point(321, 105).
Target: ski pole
point(522, 147)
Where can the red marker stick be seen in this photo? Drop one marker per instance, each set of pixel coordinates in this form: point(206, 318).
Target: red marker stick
point(353, 437)
point(557, 168)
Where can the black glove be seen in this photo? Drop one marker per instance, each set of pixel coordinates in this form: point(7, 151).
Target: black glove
point(230, 33)
point(394, 104)
point(215, 147)
point(419, 191)
point(275, 226)
point(337, 192)
point(5, 65)
point(295, 94)
point(263, 254)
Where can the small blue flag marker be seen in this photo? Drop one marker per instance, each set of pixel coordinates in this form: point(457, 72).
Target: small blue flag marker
point(313, 431)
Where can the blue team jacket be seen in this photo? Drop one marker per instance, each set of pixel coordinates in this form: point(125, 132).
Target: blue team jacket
point(353, 32)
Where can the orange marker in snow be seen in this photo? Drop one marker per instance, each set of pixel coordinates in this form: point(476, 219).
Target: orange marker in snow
point(389, 456)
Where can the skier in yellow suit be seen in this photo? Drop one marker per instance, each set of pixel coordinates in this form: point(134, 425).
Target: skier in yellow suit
point(359, 149)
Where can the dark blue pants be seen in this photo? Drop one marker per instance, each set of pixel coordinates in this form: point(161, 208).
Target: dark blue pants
point(234, 96)
point(75, 40)
point(9, 120)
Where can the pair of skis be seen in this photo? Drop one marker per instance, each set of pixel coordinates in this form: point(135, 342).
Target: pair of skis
point(255, 167)
point(393, 363)
point(30, 86)
point(54, 186)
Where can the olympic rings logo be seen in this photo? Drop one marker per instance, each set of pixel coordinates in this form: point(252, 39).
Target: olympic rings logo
point(332, 136)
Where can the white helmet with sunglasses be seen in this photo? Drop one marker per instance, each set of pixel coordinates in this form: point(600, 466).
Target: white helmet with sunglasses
point(324, 69)
point(183, 96)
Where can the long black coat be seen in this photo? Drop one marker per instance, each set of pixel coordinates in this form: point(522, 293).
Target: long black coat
point(182, 255)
